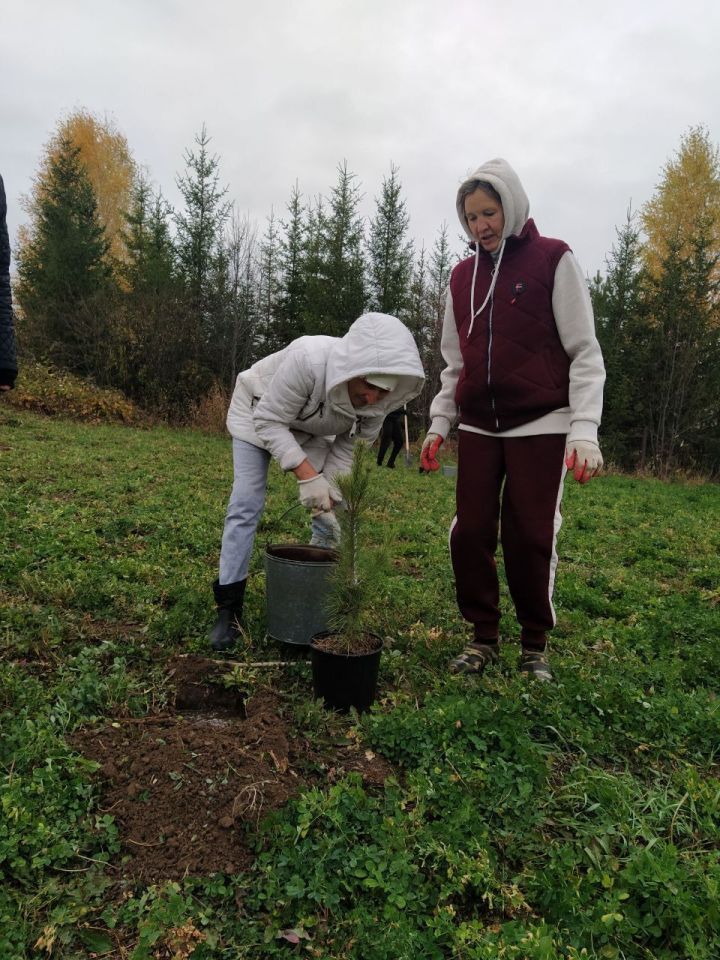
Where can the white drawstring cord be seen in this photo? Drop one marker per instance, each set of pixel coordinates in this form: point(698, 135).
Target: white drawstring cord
point(492, 284)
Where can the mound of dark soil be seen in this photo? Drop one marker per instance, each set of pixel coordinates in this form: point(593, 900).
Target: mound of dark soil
point(187, 789)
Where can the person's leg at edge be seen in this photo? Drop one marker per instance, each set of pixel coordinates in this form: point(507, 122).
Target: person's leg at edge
point(473, 542)
point(384, 444)
point(530, 521)
point(397, 440)
point(247, 499)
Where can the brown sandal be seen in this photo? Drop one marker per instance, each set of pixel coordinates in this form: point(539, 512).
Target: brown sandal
point(534, 663)
point(474, 658)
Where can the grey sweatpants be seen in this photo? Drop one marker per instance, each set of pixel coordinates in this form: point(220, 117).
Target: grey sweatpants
point(247, 499)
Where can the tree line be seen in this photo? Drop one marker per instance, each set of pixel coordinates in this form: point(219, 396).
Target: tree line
point(168, 305)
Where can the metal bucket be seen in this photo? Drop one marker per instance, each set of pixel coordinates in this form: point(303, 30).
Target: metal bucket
point(296, 585)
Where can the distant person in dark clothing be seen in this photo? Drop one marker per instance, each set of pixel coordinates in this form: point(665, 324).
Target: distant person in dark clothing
point(391, 433)
point(8, 353)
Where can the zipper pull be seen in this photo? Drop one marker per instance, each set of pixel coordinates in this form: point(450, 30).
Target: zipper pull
point(353, 428)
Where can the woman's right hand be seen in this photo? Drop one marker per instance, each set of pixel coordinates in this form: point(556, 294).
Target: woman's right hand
point(428, 454)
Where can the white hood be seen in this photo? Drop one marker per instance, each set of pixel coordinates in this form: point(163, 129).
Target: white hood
point(375, 343)
point(299, 393)
point(516, 207)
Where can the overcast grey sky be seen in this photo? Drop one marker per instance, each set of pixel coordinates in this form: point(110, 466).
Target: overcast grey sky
point(586, 100)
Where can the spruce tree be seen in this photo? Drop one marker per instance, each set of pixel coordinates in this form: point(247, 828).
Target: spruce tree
point(617, 305)
point(269, 292)
point(337, 286)
point(416, 317)
point(199, 229)
point(65, 281)
point(150, 266)
point(293, 248)
point(240, 345)
point(390, 253)
point(155, 338)
point(439, 279)
point(314, 268)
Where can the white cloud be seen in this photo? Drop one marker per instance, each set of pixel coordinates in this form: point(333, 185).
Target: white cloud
point(586, 100)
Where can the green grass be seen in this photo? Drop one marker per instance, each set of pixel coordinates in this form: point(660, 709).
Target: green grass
point(526, 821)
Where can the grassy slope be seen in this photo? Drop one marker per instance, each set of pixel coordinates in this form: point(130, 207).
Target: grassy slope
point(528, 821)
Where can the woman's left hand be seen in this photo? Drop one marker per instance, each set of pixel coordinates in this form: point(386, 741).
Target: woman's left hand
point(584, 459)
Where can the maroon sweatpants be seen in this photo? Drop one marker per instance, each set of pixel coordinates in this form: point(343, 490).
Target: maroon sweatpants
point(512, 485)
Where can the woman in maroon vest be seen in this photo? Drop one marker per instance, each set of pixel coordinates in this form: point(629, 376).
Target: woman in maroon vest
point(523, 381)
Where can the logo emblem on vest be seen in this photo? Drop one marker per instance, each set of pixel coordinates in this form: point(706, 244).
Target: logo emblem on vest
point(519, 287)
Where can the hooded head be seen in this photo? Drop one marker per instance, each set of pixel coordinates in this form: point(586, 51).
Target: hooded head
point(380, 349)
point(506, 183)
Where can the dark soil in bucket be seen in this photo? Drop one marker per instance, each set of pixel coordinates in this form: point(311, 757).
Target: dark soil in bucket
point(301, 553)
point(188, 788)
point(337, 643)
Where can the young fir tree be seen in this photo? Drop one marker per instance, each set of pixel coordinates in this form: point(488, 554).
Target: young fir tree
point(438, 280)
point(242, 333)
point(149, 269)
point(336, 292)
point(269, 292)
point(292, 295)
point(314, 268)
point(65, 281)
point(390, 253)
point(416, 310)
point(199, 231)
point(153, 335)
point(681, 376)
point(617, 301)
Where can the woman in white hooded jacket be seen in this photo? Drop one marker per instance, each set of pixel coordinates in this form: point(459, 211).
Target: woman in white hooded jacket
point(306, 406)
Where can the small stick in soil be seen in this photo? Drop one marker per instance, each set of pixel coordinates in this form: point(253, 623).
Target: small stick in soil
point(208, 661)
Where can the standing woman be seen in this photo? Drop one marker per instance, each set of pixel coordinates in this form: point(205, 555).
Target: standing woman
point(524, 381)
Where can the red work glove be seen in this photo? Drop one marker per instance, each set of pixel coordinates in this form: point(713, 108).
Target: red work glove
point(428, 453)
point(584, 459)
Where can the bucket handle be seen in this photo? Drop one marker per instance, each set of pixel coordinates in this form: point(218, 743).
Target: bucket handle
point(281, 518)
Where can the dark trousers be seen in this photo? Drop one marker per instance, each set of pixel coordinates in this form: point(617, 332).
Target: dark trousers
point(509, 488)
point(391, 433)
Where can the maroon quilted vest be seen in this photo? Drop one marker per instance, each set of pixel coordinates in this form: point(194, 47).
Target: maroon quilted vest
point(514, 366)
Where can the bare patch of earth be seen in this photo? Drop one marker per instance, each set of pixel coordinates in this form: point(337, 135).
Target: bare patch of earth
point(187, 788)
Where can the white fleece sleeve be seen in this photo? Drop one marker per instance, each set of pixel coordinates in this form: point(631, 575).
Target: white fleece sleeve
point(574, 319)
point(443, 409)
point(280, 405)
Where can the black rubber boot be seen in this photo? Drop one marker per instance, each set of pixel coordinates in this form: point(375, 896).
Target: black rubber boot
point(229, 599)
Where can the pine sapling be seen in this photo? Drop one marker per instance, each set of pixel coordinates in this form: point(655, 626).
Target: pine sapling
point(349, 599)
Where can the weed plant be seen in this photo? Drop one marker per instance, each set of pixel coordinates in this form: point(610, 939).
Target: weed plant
point(530, 822)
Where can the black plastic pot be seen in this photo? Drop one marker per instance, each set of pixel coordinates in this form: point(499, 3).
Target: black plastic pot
point(344, 681)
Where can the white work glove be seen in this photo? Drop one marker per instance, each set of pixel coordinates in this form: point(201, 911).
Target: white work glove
point(316, 493)
point(328, 534)
point(583, 457)
point(428, 452)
